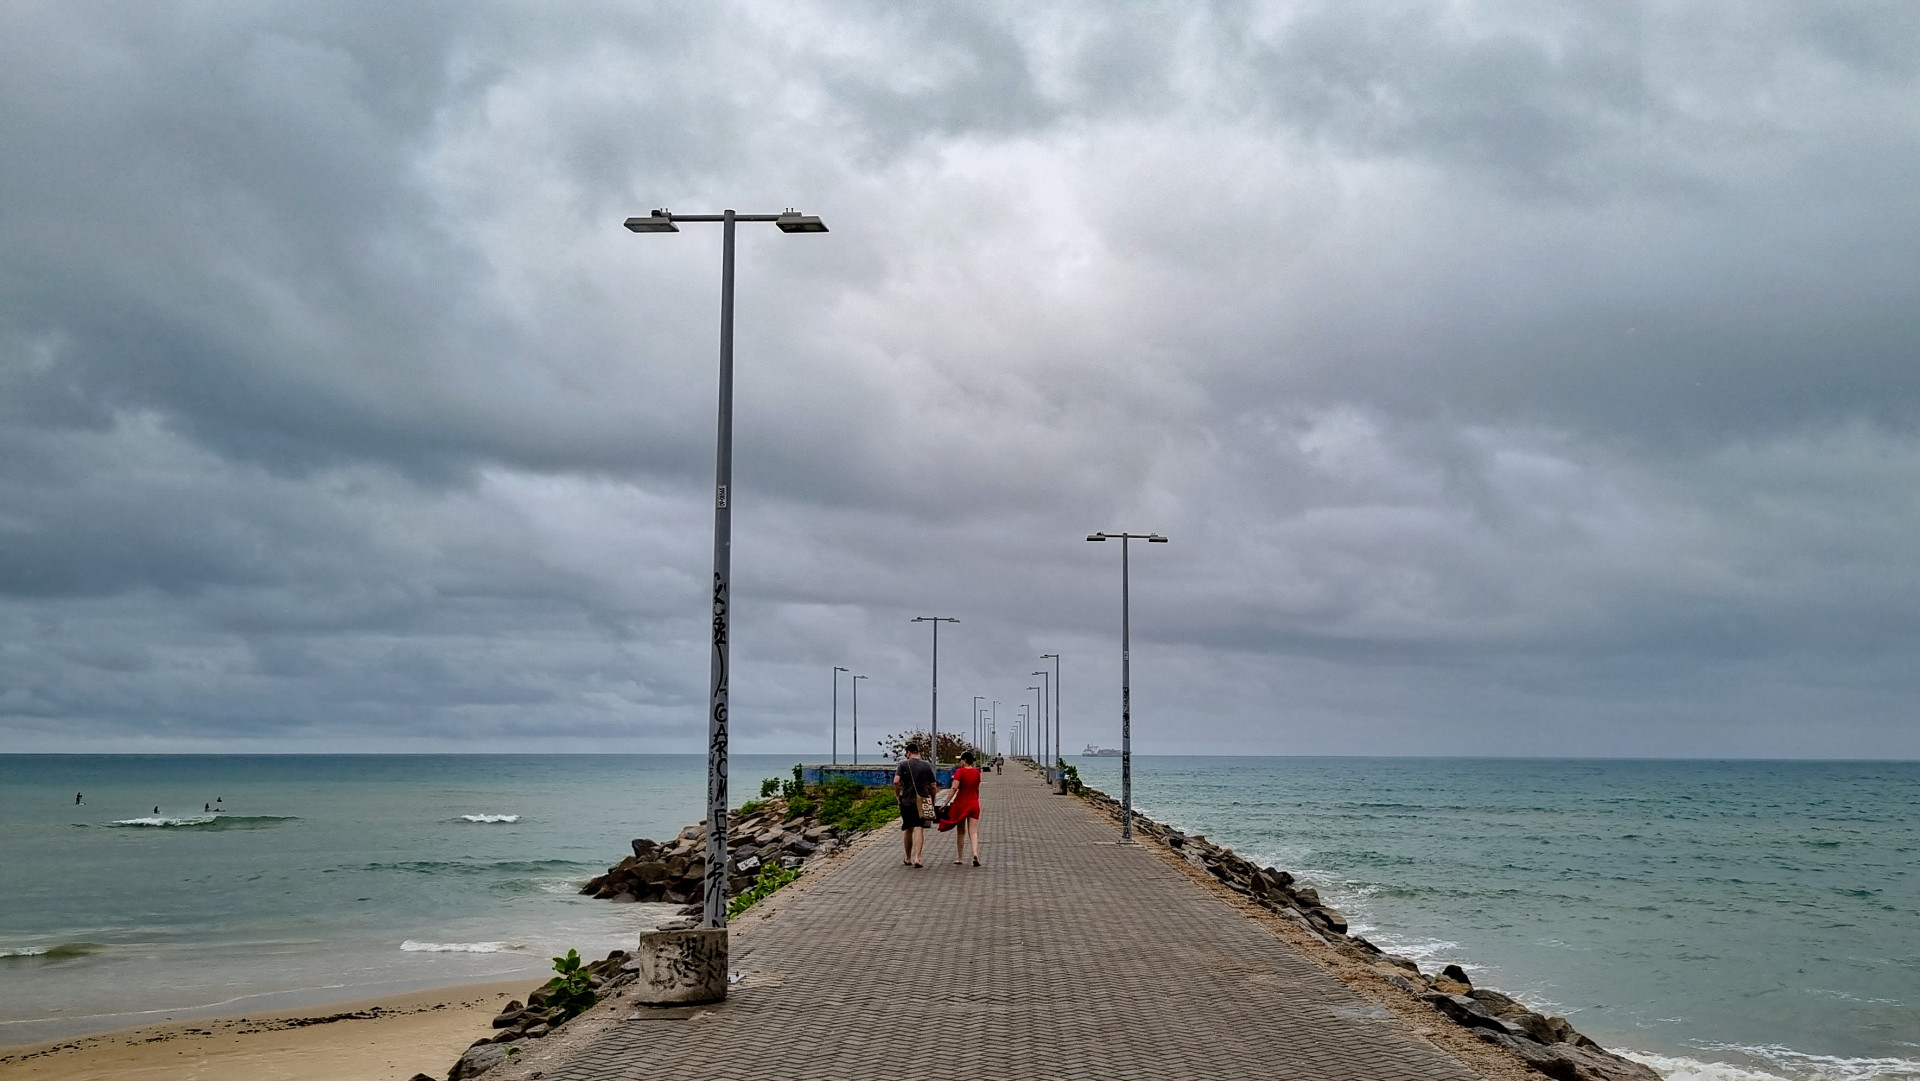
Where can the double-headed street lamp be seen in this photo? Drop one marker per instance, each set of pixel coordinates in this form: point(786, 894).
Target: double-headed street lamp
point(933, 732)
point(1126, 681)
point(662, 221)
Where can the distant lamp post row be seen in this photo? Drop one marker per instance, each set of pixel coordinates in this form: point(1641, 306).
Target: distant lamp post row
point(1126, 679)
point(714, 900)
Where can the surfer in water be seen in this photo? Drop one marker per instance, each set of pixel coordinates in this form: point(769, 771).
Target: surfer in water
point(79, 798)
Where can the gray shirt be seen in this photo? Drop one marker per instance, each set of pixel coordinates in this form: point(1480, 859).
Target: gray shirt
point(916, 778)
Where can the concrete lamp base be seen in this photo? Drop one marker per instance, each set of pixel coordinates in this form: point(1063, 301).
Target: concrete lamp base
point(682, 967)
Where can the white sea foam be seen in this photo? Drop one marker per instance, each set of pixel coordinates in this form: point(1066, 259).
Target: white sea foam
point(414, 946)
point(24, 951)
point(1778, 1062)
point(490, 818)
point(156, 820)
point(1688, 1069)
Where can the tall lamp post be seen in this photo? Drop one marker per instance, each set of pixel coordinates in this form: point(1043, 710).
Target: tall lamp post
point(836, 712)
point(1057, 752)
point(855, 680)
point(977, 699)
point(662, 221)
point(1126, 680)
point(933, 731)
point(1046, 706)
point(1034, 743)
point(993, 721)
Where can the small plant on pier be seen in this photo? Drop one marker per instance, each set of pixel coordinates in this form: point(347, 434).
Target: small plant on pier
point(572, 990)
point(772, 877)
point(1071, 774)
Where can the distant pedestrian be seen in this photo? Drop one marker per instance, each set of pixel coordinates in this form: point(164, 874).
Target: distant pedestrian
point(963, 810)
point(913, 785)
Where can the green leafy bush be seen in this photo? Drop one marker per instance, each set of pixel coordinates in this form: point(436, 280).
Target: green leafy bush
point(572, 990)
point(872, 812)
point(799, 807)
point(1072, 775)
point(752, 806)
point(772, 877)
point(769, 786)
point(838, 796)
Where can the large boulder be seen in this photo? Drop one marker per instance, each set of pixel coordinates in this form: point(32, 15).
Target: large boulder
point(1570, 1062)
point(1331, 918)
point(1465, 1011)
point(478, 1060)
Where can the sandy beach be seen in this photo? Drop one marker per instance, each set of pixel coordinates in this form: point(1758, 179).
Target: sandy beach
point(388, 1039)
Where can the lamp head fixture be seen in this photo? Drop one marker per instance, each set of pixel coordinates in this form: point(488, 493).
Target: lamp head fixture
point(792, 221)
point(660, 221)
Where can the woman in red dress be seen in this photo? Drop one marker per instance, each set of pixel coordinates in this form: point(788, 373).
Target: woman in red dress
point(963, 811)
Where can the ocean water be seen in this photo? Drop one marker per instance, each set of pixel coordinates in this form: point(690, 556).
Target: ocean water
point(325, 878)
point(1724, 921)
point(1730, 921)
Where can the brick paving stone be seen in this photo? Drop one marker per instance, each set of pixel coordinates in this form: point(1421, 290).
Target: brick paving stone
point(1066, 956)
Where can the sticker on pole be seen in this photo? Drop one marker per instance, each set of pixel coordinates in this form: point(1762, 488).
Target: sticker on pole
point(720, 499)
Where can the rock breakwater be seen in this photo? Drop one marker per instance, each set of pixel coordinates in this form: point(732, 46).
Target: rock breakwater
point(1548, 1045)
point(773, 831)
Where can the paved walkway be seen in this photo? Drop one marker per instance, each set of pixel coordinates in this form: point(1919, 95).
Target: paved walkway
point(1067, 956)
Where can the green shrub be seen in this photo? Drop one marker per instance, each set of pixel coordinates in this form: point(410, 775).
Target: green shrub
point(572, 990)
point(872, 812)
point(752, 806)
point(1072, 775)
point(769, 786)
point(772, 877)
point(800, 807)
point(838, 796)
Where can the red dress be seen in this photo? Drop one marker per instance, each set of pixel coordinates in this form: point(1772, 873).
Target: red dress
point(966, 798)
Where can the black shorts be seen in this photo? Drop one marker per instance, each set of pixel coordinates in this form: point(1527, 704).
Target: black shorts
point(910, 819)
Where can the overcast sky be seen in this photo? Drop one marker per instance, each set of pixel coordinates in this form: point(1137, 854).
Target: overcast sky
point(1511, 378)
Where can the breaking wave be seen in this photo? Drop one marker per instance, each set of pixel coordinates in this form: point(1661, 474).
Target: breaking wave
point(206, 822)
point(415, 946)
point(1790, 1064)
point(65, 951)
point(489, 818)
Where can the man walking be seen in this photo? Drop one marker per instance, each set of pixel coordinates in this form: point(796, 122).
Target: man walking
point(913, 785)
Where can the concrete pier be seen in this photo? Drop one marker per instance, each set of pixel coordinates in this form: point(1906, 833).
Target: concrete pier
point(1066, 956)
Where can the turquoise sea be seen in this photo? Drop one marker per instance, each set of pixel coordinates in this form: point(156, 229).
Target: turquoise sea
point(1731, 921)
point(1727, 920)
point(325, 878)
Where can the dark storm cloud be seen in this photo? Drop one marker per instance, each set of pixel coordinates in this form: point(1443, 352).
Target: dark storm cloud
point(1514, 378)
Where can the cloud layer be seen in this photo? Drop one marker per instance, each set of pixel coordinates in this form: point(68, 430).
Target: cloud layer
point(1512, 378)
